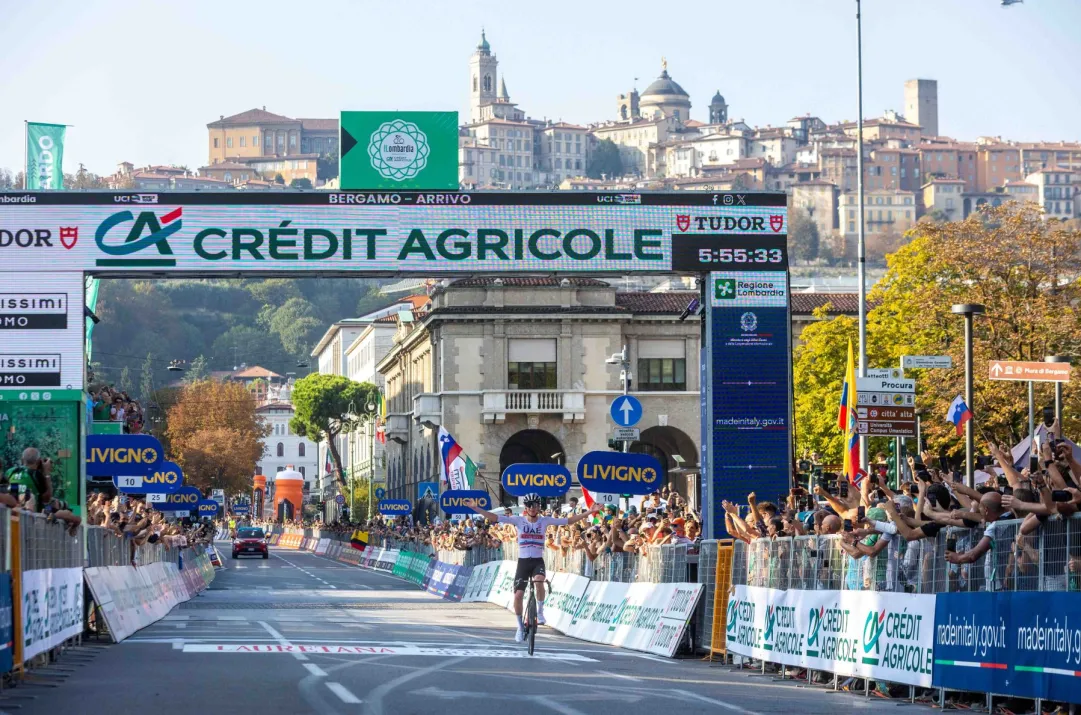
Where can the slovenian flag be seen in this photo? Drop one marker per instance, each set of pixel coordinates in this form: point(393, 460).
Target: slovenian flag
point(959, 414)
point(846, 421)
point(456, 469)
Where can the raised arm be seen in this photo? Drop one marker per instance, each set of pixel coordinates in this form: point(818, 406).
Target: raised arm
point(494, 518)
point(584, 515)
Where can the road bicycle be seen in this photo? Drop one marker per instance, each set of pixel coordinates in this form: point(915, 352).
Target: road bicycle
point(530, 618)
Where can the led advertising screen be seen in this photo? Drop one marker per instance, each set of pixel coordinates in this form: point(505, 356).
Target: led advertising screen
point(391, 233)
point(748, 396)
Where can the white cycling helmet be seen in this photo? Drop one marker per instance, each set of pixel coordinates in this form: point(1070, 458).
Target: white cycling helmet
point(531, 498)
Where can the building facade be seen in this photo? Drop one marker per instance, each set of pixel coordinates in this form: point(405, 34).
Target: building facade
point(282, 448)
point(515, 369)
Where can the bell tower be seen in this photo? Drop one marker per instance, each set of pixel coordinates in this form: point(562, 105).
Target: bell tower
point(482, 78)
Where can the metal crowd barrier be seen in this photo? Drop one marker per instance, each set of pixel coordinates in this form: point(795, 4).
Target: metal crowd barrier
point(1047, 558)
point(105, 548)
point(46, 544)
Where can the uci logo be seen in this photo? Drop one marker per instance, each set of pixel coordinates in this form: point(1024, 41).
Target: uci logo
point(157, 234)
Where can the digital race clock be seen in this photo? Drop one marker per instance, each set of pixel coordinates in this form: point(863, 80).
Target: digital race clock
point(729, 252)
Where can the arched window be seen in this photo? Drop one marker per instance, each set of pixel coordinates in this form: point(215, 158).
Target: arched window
point(474, 83)
point(300, 450)
point(487, 83)
point(281, 449)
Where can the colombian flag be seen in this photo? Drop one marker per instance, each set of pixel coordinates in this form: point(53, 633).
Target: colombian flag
point(846, 420)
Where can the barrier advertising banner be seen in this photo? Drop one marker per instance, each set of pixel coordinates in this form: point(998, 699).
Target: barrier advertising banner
point(481, 582)
point(882, 635)
point(649, 617)
point(7, 627)
point(52, 604)
point(1017, 643)
point(562, 603)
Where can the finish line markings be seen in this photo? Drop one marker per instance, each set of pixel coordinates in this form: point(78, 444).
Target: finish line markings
point(295, 650)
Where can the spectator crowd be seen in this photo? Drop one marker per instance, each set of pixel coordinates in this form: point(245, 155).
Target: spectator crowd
point(995, 534)
point(107, 404)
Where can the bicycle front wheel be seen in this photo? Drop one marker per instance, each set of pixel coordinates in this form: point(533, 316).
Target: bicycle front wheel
point(531, 634)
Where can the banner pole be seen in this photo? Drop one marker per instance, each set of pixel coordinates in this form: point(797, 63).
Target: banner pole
point(26, 155)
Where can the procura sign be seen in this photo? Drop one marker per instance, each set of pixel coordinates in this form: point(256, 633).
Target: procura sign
point(395, 507)
point(619, 473)
point(547, 480)
point(457, 501)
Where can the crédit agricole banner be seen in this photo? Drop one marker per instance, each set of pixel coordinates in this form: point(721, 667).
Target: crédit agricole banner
point(380, 236)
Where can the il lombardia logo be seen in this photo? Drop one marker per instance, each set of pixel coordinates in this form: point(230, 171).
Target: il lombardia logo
point(398, 150)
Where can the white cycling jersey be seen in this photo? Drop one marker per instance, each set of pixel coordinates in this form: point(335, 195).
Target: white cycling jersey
point(531, 533)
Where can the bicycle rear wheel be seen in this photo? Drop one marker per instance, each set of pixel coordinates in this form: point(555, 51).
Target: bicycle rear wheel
point(531, 623)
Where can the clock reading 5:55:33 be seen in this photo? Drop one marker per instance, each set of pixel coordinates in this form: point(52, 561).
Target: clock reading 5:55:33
point(740, 255)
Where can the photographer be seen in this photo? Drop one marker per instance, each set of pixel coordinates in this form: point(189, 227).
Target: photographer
point(31, 482)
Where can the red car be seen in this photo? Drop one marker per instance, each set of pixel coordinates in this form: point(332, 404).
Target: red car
point(250, 541)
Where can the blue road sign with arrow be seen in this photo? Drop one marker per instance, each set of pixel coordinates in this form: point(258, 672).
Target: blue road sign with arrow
point(626, 411)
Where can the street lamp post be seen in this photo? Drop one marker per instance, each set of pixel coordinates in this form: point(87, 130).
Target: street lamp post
point(1058, 391)
point(968, 310)
point(371, 455)
point(625, 376)
point(861, 243)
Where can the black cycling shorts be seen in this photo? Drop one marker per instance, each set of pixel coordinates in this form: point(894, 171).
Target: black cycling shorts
point(527, 569)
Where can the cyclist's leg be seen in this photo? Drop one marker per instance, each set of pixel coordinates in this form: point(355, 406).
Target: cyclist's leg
point(538, 576)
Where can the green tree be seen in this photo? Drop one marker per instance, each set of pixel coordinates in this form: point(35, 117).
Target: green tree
point(146, 378)
point(301, 183)
point(197, 371)
point(327, 165)
point(606, 161)
point(245, 344)
point(279, 179)
point(803, 238)
point(327, 406)
point(126, 385)
point(84, 180)
point(296, 326)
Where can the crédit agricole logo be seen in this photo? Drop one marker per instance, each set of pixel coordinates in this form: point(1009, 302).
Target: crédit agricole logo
point(157, 232)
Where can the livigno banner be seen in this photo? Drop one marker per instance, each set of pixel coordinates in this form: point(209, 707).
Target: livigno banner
point(399, 150)
point(856, 633)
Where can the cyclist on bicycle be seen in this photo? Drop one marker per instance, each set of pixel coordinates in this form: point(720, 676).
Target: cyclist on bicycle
point(531, 527)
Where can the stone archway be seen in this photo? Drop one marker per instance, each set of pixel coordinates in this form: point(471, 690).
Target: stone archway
point(533, 446)
point(663, 443)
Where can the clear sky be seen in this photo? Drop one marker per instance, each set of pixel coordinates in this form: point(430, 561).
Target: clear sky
point(140, 79)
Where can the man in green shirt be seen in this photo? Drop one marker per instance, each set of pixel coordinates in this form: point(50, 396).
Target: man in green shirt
point(31, 479)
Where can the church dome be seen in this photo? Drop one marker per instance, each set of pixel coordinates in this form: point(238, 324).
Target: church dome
point(483, 46)
point(664, 85)
point(717, 98)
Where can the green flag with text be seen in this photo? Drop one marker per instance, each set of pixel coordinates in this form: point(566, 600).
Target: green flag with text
point(44, 156)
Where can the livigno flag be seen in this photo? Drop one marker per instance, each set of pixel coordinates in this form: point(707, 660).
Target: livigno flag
point(44, 156)
point(399, 150)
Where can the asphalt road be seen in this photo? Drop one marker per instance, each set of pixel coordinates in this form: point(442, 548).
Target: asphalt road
point(378, 645)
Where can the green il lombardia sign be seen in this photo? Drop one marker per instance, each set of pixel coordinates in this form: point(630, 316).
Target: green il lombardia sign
point(399, 150)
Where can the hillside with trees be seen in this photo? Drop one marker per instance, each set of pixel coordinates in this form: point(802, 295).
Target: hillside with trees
point(217, 324)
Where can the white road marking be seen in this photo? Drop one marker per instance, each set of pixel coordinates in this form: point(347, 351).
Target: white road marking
point(719, 703)
point(559, 707)
point(233, 618)
point(264, 566)
point(343, 693)
point(296, 649)
point(315, 670)
point(620, 676)
point(282, 640)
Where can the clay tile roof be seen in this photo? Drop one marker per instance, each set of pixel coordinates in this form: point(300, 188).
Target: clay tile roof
point(319, 125)
point(417, 301)
point(256, 371)
point(668, 302)
point(843, 303)
point(526, 282)
point(252, 116)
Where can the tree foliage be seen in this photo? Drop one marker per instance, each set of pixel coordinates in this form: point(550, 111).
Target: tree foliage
point(215, 435)
point(327, 406)
point(1021, 267)
point(803, 238)
point(606, 161)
